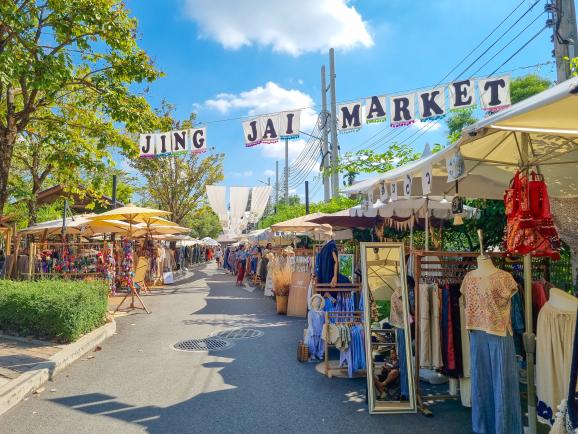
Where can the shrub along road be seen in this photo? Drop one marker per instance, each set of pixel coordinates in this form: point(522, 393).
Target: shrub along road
point(139, 383)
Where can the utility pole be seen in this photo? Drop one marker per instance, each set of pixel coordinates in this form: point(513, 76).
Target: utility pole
point(324, 147)
point(286, 171)
point(565, 36)
point(276, 184)
point(334, 145)
point(307, 197)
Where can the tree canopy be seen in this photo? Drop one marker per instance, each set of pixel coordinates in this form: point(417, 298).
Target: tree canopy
point(70, 66)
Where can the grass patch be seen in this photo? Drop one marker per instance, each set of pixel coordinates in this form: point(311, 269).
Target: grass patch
point(52, 309)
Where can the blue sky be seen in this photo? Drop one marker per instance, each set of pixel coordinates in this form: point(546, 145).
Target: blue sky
point(226, 59)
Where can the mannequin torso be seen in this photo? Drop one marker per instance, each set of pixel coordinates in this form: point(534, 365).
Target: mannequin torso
point(485, 267)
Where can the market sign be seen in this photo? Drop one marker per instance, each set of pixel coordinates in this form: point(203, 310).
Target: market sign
point(178, 142)
point(491, 94)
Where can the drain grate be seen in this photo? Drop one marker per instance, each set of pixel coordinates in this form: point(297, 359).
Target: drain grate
point(242, 333)
point(206, 344)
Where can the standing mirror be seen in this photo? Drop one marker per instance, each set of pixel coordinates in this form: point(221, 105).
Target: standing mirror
point(387, 330)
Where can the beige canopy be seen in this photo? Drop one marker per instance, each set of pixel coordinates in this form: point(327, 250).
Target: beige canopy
point(132, 214)
point(299, 224)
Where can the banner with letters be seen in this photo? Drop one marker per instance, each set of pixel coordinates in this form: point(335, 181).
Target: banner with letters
point(179, 142)
point(399, 110)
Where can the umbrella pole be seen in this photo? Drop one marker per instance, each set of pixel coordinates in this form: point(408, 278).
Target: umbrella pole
point(530, 345)
point(427, 223)
point(411, 233)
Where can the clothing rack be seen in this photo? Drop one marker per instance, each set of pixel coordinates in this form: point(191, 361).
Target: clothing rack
point(451, 267)
point(431, 267)
point(357, 317)
point(339, 287)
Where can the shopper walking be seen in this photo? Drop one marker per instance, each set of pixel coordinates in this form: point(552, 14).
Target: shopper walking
point(241, 264)
point(218, 256)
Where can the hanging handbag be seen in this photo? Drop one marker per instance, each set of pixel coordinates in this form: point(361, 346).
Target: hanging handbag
point(512, 196)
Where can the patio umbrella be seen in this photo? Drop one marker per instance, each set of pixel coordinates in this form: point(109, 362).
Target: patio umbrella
point(142, 230)
point(131, 214)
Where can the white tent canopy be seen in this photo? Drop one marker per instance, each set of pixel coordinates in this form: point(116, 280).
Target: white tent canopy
point(405, 208)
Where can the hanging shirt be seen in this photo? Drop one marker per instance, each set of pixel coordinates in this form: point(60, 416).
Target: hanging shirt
point(488, 302)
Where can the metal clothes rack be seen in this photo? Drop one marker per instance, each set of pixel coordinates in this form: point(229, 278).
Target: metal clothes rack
point(451, 267)
point(355, 317)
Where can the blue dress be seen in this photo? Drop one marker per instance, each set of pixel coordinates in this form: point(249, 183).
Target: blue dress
point(325, 264)
point(496, 407)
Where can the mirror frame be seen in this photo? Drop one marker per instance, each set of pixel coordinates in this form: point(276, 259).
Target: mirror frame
point(411, 406)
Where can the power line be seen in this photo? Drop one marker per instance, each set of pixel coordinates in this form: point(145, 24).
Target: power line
point(499, 38)
point(509, 43)
point(520, 49)
point(482, 42)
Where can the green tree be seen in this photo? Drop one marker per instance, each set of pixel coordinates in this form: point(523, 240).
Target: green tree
point(75, 155)
point(287, 212)
point(204, 223)
point(58, 50)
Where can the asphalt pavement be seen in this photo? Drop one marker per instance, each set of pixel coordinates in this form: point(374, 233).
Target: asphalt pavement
point(139, 383)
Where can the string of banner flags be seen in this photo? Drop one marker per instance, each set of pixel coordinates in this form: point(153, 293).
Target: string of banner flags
point(403, 110)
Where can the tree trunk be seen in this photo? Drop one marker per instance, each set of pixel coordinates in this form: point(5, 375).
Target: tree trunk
point(7, 139)
point(33, 209)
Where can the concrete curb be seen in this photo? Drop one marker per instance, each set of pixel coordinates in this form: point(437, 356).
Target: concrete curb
point(14, 391)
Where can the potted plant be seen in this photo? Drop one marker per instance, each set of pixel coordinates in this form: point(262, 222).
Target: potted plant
point(281, 286)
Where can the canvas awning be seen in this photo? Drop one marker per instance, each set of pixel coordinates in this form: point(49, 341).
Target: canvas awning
point(302, 224)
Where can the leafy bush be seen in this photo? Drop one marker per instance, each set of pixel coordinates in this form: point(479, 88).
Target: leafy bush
point(54, 309)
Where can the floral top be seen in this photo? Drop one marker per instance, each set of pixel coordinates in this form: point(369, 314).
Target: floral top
point(396, 310)
point(488, 302)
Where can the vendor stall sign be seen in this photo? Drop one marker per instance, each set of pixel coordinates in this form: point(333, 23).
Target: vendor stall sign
point(177, 142)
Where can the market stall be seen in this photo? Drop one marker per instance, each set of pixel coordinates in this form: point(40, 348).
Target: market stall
point(525, 154)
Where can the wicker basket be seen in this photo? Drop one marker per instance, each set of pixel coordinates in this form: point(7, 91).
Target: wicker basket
point(302, 352)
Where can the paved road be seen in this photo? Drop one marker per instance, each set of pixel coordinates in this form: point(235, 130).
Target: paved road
point(137, 383)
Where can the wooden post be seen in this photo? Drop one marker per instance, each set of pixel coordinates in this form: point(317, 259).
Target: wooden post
point(31, 257)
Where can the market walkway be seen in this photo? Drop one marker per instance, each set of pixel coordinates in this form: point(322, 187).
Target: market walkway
point(139, 383)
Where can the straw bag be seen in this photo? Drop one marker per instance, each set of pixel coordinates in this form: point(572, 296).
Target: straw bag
point(302, 352)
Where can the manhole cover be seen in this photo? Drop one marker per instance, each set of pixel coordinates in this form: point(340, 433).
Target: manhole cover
point(207, 344)
point(238, 334)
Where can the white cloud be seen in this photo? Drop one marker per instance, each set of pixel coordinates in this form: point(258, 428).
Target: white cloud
point(246, 174)
point(270, 98)
point(294, 27)
point(269, 172)
point(277, 150)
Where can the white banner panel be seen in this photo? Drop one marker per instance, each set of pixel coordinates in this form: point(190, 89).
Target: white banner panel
point(349, 116)
point(375, 109)
point(432, 104)
point(180, 141)
point(162, 144)
point(495, 93)
point(393, 189)
point(407, 181)
point(253, 132)
point(290, 124)
point(462, 94)
point(426, 180)
point(270, 126)
point(402, 110)
point(146, 145)
point(198, 138)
